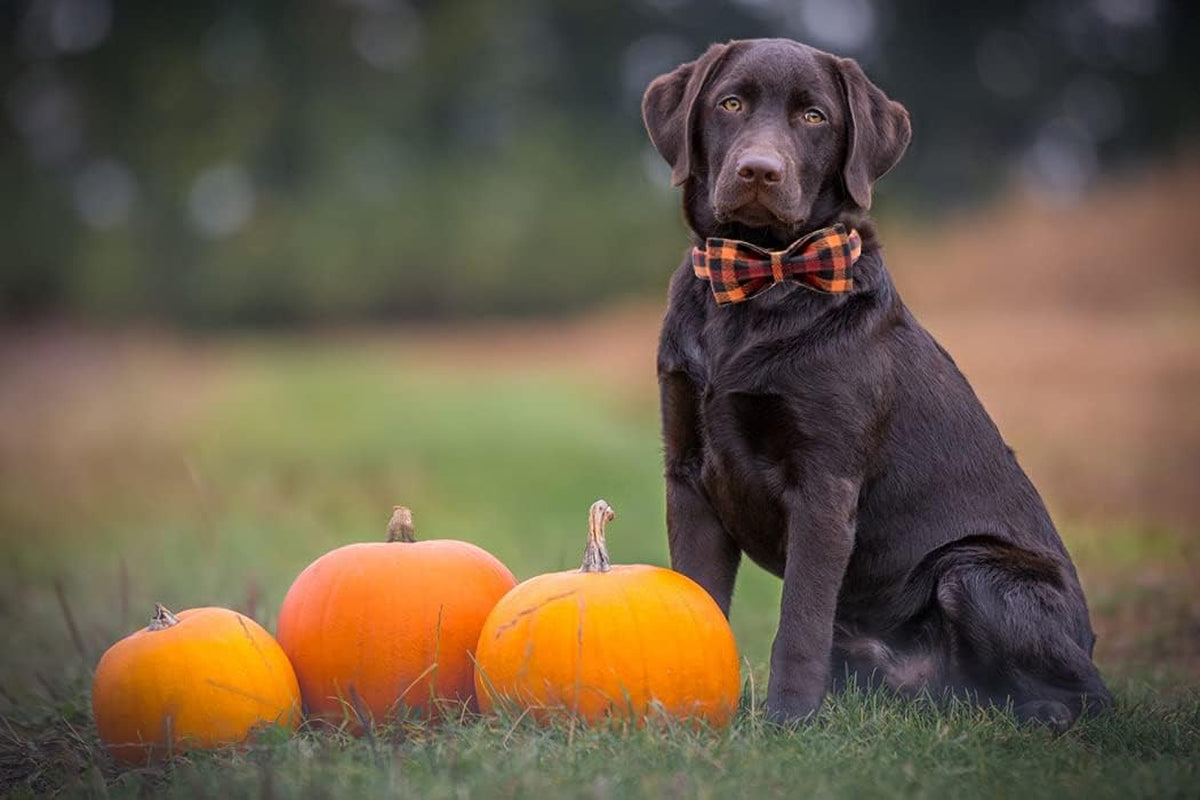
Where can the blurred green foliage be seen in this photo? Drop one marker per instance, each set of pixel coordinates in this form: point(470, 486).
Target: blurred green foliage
point(321, 161)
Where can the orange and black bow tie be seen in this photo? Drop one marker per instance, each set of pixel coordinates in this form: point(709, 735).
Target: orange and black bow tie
point(822, 260)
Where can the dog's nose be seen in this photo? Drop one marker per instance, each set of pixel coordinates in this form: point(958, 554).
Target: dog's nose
point(760, 168)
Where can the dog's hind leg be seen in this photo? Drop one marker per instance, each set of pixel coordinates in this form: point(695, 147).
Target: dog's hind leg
point(1017, 630)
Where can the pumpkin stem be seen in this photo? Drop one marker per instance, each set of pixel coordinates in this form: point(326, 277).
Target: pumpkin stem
point(595, 555)
point(162, 619)
point(400, 527)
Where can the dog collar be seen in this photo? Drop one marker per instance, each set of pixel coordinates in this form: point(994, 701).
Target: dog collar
point(823, 261)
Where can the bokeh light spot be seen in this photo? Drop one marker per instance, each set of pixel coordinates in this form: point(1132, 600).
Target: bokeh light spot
point(104, 192)
point(221, 200)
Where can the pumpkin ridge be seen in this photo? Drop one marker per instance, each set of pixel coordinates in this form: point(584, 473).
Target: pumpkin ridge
point(736, 660)
point(626, 692)
point(699, 625)
point(637, 629)
point(579, 609)
point(430, 671)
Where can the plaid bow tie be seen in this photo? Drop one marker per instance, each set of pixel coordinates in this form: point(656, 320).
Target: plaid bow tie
point(822, 260)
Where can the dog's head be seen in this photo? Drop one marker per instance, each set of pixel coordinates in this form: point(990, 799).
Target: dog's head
point(772, 138)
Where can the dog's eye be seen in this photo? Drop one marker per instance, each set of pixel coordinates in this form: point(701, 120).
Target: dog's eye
point(731, 104)
point(813, 117)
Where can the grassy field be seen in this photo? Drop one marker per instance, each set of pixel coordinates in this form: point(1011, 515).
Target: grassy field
point(138, 467)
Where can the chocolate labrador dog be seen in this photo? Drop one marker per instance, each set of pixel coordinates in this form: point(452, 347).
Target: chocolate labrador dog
point(811, 423)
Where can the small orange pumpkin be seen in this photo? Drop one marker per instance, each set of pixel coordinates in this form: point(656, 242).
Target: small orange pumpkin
point(622, 641)
point(201, 679)
point(371, 625)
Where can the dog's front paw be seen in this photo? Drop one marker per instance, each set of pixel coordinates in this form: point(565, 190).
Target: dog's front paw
point(788, 707)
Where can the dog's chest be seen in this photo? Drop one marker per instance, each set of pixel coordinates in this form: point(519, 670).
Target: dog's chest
point(750, 395)
point(748, 441)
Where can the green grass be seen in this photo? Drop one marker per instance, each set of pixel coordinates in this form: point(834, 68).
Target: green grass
point(226, 493)
point(861, 745)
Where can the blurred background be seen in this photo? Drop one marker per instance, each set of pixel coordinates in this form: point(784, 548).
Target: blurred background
point(268, 268)
point(299, 163)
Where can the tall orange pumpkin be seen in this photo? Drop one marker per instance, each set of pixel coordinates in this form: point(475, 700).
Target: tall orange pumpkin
point(371, 625)
point(624, 641)
point(200, 679)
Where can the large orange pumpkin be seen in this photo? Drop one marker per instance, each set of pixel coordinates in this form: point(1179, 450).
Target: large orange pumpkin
point(624, 641)
point(371, 625)
point(200, 679)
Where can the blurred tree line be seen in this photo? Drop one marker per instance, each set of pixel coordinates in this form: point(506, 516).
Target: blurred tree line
point(259, 162)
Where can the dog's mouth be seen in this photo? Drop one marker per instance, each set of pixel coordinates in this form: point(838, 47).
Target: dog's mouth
point(756, 221)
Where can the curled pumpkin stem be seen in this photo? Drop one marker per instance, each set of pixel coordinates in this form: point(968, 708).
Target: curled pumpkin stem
point(400, 526)
point(162, 619)
point(595, 555)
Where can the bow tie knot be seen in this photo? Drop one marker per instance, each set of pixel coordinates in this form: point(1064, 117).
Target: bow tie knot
point(823, 261)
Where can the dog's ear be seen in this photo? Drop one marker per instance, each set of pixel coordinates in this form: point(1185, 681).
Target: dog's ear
point(669, 109)
point(878, 132)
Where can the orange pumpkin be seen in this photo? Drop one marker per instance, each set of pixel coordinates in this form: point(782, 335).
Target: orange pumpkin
point(624, 641)
point(201, 679)
point(371, 625)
